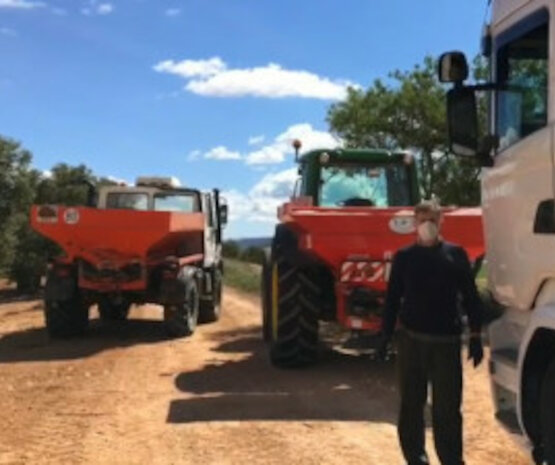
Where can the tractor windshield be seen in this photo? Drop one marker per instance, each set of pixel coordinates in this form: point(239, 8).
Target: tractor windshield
point(359, 185)
point(176, 202)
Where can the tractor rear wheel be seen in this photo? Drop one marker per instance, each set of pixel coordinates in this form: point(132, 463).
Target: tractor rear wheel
point(66, 318)
point(294, 315)
point(181, 320)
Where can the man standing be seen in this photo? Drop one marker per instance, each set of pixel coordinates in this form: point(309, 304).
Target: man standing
point(426, 281)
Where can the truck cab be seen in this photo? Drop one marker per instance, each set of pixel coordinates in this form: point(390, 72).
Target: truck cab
point(165, 194)
point(517, 153)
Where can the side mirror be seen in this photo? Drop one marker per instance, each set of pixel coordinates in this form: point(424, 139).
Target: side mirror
point(223, 214)
point(462, 120)
point(452, 67)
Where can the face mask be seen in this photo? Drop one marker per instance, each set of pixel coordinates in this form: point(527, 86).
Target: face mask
point(428, 231)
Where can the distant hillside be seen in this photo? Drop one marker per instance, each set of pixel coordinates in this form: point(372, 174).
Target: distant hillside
point(260, 242)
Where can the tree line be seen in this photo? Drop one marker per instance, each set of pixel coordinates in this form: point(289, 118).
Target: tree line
point(24, 253)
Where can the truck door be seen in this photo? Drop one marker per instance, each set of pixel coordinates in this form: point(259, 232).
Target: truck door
point(517, 188)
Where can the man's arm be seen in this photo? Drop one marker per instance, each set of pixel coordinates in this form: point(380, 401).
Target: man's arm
point(471, 298)
point(474, 309)
point(393, 297)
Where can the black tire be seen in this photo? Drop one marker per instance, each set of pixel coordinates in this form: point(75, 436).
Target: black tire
point(110, 311)
point(547, 416)
point(211, 310)
point(181, 320)
point(294, 342)
point(66, 318)
point(266, 295)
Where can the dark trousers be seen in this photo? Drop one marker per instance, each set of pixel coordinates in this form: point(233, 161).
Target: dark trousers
point(422, 360)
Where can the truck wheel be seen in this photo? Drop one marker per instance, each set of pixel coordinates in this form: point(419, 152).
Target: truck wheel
point(110, 311)
point(210, 310)
point(181, 320)
point(266, 296)
point(294, 318)
point(547, 416)
point(66, 318)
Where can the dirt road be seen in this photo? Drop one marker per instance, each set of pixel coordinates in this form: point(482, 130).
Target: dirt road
point(126, 395)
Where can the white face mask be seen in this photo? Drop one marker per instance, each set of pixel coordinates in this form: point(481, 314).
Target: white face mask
point(428, 231)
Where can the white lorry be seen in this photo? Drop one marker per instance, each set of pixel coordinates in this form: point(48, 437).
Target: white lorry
point(518, 190)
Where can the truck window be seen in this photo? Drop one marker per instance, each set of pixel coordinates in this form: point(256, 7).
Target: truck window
point(186, 203)
point(127, 200)
point(359, 185)
point(522, 71)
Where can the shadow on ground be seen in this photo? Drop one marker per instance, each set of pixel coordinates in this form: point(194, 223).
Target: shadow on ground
point(35, 345)
point(11, 295)
point(341, 387)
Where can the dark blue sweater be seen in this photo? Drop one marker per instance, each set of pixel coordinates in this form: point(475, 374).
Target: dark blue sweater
point(424, 289)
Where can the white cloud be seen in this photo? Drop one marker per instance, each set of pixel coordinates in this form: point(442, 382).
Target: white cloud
point(222, 153)
point(95, 8)
point(59, 11)
point(194, 155)
point(20, 4)
point(191, 68)
point(172, 12)
point(105, 9)
point(256, 140)
point(260, 204)
point(213, 78)
point(119, 181)
point(6, 31)
point(277, 151)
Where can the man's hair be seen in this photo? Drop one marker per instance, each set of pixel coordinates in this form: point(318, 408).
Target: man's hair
point(428, 206)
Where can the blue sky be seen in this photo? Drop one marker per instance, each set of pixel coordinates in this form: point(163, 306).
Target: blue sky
point(209, 91)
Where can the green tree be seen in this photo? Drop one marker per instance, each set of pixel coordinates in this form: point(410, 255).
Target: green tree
point(230, 249)
point(253, 254)
point(409, 112)
point(64, 185)
point(17, 182)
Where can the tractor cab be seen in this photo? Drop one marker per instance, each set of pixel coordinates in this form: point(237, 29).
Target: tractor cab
point(358, 178)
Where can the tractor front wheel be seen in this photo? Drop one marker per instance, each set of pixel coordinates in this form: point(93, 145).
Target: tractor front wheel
point(293, 322)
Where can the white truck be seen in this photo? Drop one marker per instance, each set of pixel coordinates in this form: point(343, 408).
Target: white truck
point(518, 189)
point(154, 242)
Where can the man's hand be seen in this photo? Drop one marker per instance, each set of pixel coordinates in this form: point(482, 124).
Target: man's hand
point(475, 349)
point(382, 349)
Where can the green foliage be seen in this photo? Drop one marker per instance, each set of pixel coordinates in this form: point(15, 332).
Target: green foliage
point(253, 255)
point(17, 183)
point(410, 113)
point(230, 249)
point(242, 276)
point(67, 185)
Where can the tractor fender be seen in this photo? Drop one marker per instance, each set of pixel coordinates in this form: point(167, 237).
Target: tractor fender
point(287, 241)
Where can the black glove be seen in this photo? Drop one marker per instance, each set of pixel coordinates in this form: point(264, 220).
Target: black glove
point(475, 350)
point(382, 349)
